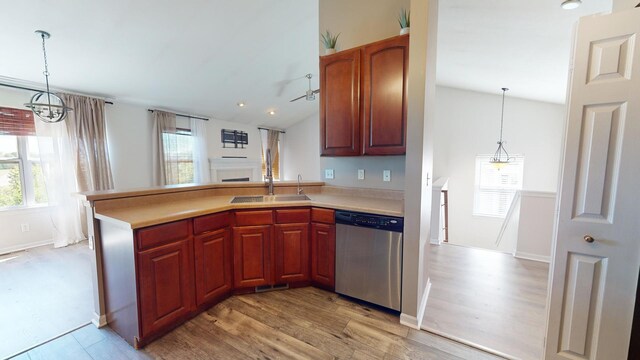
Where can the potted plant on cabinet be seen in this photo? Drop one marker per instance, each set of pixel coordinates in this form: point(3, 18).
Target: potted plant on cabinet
point(403, 20)
point(329, 41)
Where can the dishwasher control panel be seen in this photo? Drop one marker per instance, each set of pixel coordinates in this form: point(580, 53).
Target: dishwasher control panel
point(382, 222)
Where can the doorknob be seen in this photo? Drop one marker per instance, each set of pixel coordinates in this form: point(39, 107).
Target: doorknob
point(589, 239)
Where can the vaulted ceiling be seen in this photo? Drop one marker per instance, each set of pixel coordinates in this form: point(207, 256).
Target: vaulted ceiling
point(204, 56)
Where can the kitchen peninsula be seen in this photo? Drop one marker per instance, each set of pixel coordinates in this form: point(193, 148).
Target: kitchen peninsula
point(165, 254)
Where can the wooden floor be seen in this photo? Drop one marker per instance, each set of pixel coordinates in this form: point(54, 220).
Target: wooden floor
point(305, 323)
point(488, 298)
point(44, 292)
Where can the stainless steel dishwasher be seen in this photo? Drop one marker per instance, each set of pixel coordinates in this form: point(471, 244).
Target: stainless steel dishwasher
point(369, 257)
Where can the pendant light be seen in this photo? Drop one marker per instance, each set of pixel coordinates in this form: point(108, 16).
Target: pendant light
point(49, 107)
point(501, 156)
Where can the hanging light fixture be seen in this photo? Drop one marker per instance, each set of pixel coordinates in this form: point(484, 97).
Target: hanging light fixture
point(47, 106)
point(501, 156)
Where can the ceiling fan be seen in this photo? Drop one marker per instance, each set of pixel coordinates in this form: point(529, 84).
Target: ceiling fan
point(310, 95)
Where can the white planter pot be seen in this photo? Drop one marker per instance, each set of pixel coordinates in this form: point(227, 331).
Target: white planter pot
point(404, 31)
point(329, 51)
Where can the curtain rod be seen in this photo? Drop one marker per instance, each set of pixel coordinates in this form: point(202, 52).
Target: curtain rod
point(263, 128)
point(36, 90)
point(183, 115)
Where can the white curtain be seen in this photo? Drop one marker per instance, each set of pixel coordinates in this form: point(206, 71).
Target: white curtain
point(201, 171)
point(74, 157)
point(58, 167)
point(165, 169)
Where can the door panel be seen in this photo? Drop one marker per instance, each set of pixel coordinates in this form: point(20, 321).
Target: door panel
point(292, 252)
point(213, 265)
point(166, 285)
point(385, 70)
point(594, 271)
point(340, 104)
point(323, 254)
point(251, 256)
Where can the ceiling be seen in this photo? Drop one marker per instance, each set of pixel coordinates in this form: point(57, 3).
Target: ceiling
point(202, 57)
point(523, 45)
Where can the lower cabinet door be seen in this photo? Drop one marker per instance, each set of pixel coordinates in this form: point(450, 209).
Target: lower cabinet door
point(213, 265)
point(291, 253)
point(323, 254)
point(251, 256)
point(166, 285)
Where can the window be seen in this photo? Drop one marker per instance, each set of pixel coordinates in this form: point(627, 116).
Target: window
point(495, 188)
point(178, 151)
point(21, 178)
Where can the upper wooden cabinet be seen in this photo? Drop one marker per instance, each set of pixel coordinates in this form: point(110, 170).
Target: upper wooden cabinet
point(385, 69)
point(363, 99)
point(340, 104)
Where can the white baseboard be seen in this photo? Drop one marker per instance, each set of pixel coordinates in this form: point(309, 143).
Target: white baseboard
point(21, 247)
point(415, 322)
point(530, 256)
point(99, 320)
point(436, 241)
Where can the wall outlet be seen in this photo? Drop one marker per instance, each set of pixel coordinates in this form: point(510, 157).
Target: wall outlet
point(360, 174)
point(328, 173)
point(24, 227)
point(386, 175)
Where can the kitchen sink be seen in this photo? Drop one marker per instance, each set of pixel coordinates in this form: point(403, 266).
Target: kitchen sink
point(268, 198)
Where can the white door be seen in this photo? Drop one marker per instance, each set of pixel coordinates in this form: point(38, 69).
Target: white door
point(593, 284)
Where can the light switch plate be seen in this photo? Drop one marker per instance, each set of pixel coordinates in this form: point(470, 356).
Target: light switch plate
point(386, 175)
point(328, 173)
point(360, 174)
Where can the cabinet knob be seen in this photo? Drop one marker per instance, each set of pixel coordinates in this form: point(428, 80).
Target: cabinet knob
point(589, 239)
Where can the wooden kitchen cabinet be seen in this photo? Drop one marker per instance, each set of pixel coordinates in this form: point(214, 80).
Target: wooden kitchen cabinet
point(363, 99)
point(340, 104)
point(213, 255)
point(323, 248)
point(213, 251)
point(384, 95)
point(165, 280)
point(291, 253)
point(252, 256)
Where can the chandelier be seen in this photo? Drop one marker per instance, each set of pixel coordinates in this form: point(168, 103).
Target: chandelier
point(49, 107)
point(501, 156)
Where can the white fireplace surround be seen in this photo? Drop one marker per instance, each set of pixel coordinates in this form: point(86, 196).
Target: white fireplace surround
point(233, 168)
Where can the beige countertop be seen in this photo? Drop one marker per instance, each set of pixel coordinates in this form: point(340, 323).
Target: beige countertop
point(144, 215)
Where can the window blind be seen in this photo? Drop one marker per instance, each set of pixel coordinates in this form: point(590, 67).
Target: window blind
point(18, 122)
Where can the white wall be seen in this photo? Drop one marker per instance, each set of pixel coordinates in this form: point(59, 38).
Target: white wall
point(129, 130)
point(214, 143)
point(360, 22)
point(468, 124)
point(302, 150)
point(40, 227)
point(535, 228)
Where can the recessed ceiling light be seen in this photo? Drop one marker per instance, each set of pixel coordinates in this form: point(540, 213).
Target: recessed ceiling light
point(271, 112)
point(241, 104)
point(570, 4)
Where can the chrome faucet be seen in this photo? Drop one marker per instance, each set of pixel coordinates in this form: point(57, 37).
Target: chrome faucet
point(269, 176)
point(299, 181)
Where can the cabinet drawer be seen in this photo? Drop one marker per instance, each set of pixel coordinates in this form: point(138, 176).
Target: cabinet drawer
point(293, 216)
point(210, 222)
point(163, 234)
point(254, 217)
point(323, 215)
